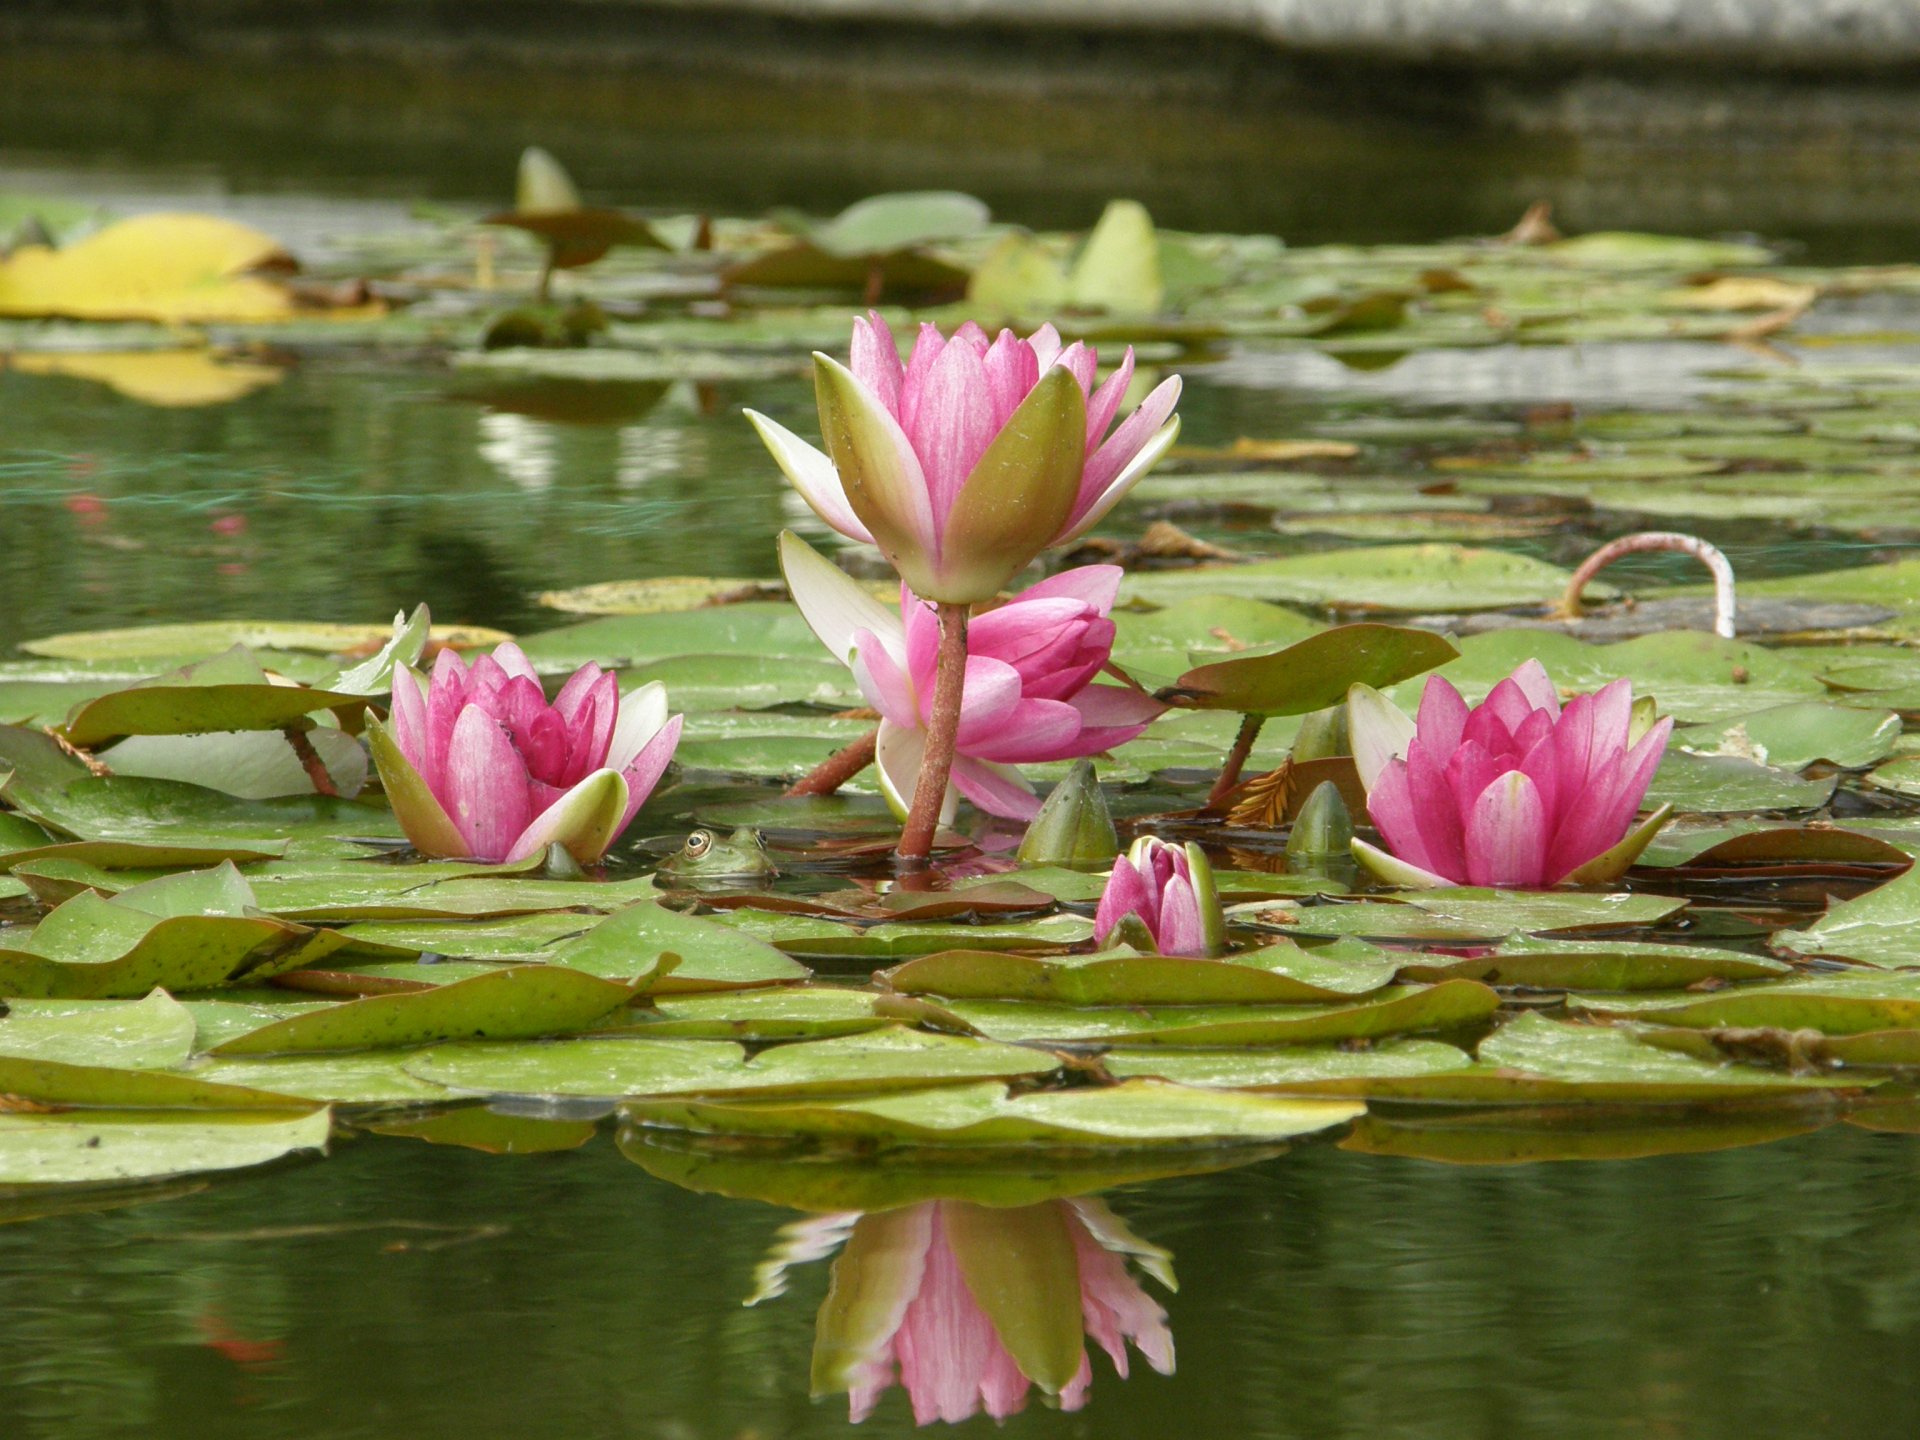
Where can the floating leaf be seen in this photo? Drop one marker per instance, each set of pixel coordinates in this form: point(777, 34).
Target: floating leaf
point(1314, 673)
point(1794, 736)
point(1391, 1011)
point(1842, 1004)
point(514, 1002)
point(1468, 913)
point(1294, 1069)
point(153, 1034)
point(1597, 965)
point(1277, 974)
point(1400, 578)
point(630, 943)
point(1137, 1112)
point(114, 1147)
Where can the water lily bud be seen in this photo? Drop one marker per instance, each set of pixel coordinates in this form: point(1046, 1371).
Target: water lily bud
point(1169, 888)
point(1323, 828)
point(1074, 826)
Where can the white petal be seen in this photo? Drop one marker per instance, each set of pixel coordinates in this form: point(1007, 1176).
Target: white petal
point(833, 604)
point(1148, 457)
point(811, 473)
point(1379, 730)
point(643, 711)
point(897, 755)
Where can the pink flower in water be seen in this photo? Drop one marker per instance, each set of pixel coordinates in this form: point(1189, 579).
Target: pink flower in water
point(1514, 791)
point(972, 457)
point(1028, 695)
point(479, 765)
point(969, 1306)
point(1169, 889)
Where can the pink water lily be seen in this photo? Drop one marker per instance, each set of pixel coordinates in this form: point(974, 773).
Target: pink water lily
point(478, 764)
point(1515, 791)
point(1028, 694)
point(1169, 889)
point(970, 1307)
point(973, 456)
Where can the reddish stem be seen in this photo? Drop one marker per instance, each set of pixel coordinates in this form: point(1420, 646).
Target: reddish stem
point(1708, 555)
point(311, 762)
point(1236, 758)
point(838, 768)
point(943, 727)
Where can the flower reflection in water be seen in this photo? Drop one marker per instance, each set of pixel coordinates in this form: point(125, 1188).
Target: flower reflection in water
point(970, 1307)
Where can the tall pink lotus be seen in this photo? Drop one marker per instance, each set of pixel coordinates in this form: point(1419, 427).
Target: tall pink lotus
point(1168, 890)
point(969, 1307)
point(477, 764)
point(973, 456)
point(1028, 695)
point(1515, 791)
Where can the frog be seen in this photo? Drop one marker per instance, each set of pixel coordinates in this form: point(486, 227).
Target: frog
point(706, 856)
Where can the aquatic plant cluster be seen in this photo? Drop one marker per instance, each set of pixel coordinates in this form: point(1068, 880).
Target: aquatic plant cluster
point(1449, 884)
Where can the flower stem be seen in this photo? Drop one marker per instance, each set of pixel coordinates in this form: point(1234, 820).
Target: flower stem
point(310, 761)
point(1236, 758)
point(1708, 555)
point(943, 727)
point(838, 768)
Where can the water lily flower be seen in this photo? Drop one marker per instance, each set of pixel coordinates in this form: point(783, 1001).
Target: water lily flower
point(969, 1307)
point(1168, 890)
point(477, 764)
point(972, 457)
point(1029, 695)
point(1515, 791)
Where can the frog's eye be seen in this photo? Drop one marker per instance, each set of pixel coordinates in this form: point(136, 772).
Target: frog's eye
point(699, 843)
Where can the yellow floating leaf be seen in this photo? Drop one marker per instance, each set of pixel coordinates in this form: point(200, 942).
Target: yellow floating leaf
point(1742, 292)
point(174, 378)
point(182, 268)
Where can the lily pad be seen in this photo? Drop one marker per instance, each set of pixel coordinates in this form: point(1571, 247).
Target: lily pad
point(1394, 1010)
point(1468, 913)
point(1313, 674)
point(1841, 1004)
point(1597, 965)
point(631, 943)
point(151, 1034)
point(1881, 927)
point(1276, 974)
point(115, 1147)
point(1398, 578)
point(514, 1002)
point(1136, 1112)
point(1295, 1070)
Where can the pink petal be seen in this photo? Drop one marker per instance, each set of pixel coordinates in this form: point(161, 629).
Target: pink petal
point(513, 660)
point(996, 789)
point(590, 726)
point(1011, 372)
point(1111, 458)
point(487, 797)
point(1032, 733)
point(883, 683)
point(1390, 804)
point(1111, 715)
point(409, 715)
point(811, 472)
point(1104, 403)
point(945, 1342)
point(1117, 1308)
point(987, 701)
point(1537, 686)
point(875, 359)
point(1441, 718)
point(1045, 343)
point(446, 697)
point(1180, 932)
point(1437, 814)
point(647, 767)
point(953, 426)
point(1097, 585)
point(1510, 703)
point(1506, 834)
point(576, 691)
point(928, 344)
point(1081, 362)
point(1126, 894)
point(920, 622)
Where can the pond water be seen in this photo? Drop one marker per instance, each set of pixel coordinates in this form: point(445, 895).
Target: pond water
point(399, 1288)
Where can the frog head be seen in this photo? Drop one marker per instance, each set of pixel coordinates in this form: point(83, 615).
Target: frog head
point(707, 855)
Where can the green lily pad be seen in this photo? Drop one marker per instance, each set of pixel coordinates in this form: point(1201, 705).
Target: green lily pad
point(371, 1078)
point(1400, 578)
point(608, 1068)
point(151, 642)
point(504, 937)
point(1881, 927)
point(512, 1003)
point(1617, 1130)
point(1297, 1069)
point(632, 942)
point(1394, 1010)
point(151, 1034)
point(791, 1012)
point(1840, 1004)
point(1276, 974)
point(1314, 673)
point(474, 1127)
point(54, 1083)
point(1792, 737)
point(1597, 965)
point(115, 1147)
point(1469, 913)
point(1136, 1112)
point(228, 692)
point(805, 935)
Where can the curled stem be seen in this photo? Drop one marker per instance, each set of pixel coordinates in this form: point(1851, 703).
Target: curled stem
point(943, 728)
point(1236, 758)
point(838, 768)
point(1709, 555)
